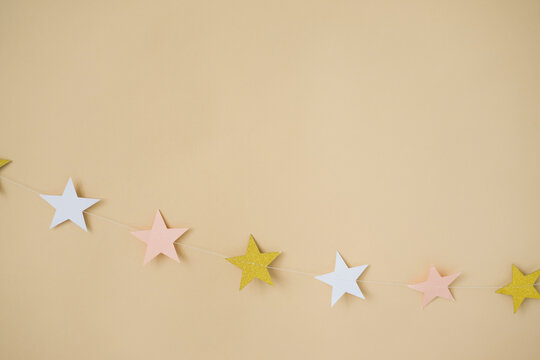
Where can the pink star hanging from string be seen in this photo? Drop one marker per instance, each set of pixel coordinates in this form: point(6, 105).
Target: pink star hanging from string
point(435, 286)
point(160, 239)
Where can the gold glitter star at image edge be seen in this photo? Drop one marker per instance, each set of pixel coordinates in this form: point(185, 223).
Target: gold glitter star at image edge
point(521, 287)
point(253, 264)
point(4, 162)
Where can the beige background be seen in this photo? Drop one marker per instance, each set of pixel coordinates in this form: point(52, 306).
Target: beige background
point(400, 133)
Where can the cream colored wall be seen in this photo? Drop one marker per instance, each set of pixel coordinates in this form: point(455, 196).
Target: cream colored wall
point(399, 133)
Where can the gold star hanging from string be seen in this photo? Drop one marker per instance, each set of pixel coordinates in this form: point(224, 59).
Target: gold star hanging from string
point(521, 287)
point(254, 264)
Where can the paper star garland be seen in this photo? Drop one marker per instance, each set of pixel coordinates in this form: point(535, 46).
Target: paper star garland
point(343, 279)
point(69, 206)
point(435, 286)
point(4, 162)
point(254, 264)
point(521, 287)
point(160, 239)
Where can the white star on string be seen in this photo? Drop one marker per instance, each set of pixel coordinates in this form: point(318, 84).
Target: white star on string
point(69, 206)
point(343, 279)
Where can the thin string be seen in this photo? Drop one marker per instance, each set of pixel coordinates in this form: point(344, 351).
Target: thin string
point(28, 188)
point(111, 221)
point(214, 253)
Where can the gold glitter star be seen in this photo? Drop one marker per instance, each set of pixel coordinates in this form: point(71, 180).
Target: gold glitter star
point(254, 264)
point(522, 287)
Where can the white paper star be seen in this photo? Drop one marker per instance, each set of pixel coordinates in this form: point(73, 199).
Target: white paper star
point(69, 206)
point(343, 279)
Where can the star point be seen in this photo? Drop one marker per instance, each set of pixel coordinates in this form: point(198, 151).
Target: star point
point(254, 264)
point(4, 162)
point(343, 280)
point(159, 239)
point(435, 286)
point(521, 287)
point(69, 206)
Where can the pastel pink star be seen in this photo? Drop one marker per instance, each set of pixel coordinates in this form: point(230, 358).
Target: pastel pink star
point(435, 286)
point(159, 240)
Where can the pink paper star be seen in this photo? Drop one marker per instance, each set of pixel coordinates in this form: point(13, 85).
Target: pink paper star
point(159, 240)
point(435, 285)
